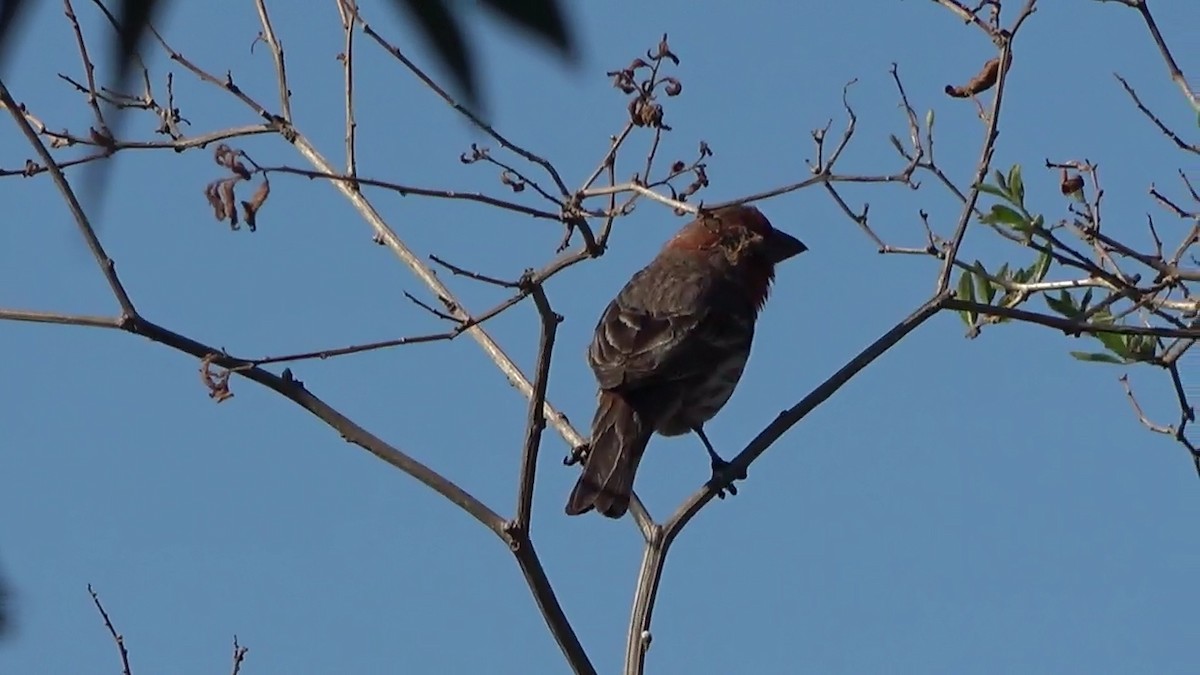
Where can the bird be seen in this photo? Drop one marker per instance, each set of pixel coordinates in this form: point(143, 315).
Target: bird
point(669, 350)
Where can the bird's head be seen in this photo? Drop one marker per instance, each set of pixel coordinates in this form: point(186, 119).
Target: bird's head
point(745, 240)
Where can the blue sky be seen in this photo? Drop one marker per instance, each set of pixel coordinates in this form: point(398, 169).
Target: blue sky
point(962, 506)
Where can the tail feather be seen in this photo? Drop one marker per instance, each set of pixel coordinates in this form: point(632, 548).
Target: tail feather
point(619, 438)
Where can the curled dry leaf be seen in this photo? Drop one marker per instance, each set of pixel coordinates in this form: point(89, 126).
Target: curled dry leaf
point(216, 381)
point(102, 139)
point(251, 206)
point(228, 199)
point(212, 192)
point(477, 153)
point(623, 79)
point(220, 193)
point(228, 157)
point(984, 80)
point(1069, 184)
point(664, 51)
point(507, 178)
point(696, 185)
point(644, 113)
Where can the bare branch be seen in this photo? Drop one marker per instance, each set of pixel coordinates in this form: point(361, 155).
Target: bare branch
point(985, 155)
point(1173, 69)
point(445, 96)
point(536, 421)
point(657, 547)
point(968, 16)
point(356, 180)
point(1162, 126)
point(118, 639)
point(93, 98)
point(347, 10)
point(33, 316)
point(239, 655)
point(268, 34)
point(107, 267)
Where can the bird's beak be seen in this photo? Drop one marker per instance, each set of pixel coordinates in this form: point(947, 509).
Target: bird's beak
point(781, 246)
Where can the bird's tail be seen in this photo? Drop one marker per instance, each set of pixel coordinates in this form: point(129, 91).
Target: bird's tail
point(619, 437)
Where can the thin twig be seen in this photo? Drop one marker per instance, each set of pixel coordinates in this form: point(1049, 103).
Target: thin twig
point(107, 267)
point(239, 655)
point(118, 639)
point(93, 96)
point(415, 190)
point(445, 96)
point(1137, 409)
point(960, 10)
point(178, 145)
point(551, 611)
point(536, 421)
point(985, 159)
point(268, 34)
point(1173, 69)
point(1162, 126)
point(650, 574)
point(33, 316)
point(1069, 326)
point(347, 9)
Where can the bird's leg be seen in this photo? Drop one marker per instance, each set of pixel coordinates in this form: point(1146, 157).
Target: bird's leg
point(577, 455)
point(720, 467)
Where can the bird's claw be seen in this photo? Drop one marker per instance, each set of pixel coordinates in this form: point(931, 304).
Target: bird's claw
point(578, 454)
point(722, 472)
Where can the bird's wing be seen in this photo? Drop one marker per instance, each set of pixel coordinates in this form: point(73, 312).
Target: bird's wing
point(655, 333)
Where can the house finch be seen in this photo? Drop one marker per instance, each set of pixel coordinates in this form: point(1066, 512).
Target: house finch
point(670, 348)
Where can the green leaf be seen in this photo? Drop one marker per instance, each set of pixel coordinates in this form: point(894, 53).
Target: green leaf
point(1015, 185)
point(993, 190)
point(1087, 301)
point(983, 287)
point(1004, 214)
point(1063, 304)
point(1096, 357)
point(966, 291)
point(1142, 347)
point(1115, 343)
point(1003, 183)
point(929, 121)
point(1041, 266)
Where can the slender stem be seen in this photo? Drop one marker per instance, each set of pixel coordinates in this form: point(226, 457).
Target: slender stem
point(537, 412)
point(552, 612)
point(653, 559)
point(33, 316)
point(285, 93)
point(107, 267)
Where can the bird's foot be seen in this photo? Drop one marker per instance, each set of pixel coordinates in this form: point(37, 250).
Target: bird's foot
point(724, 473)
point(577, 455)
